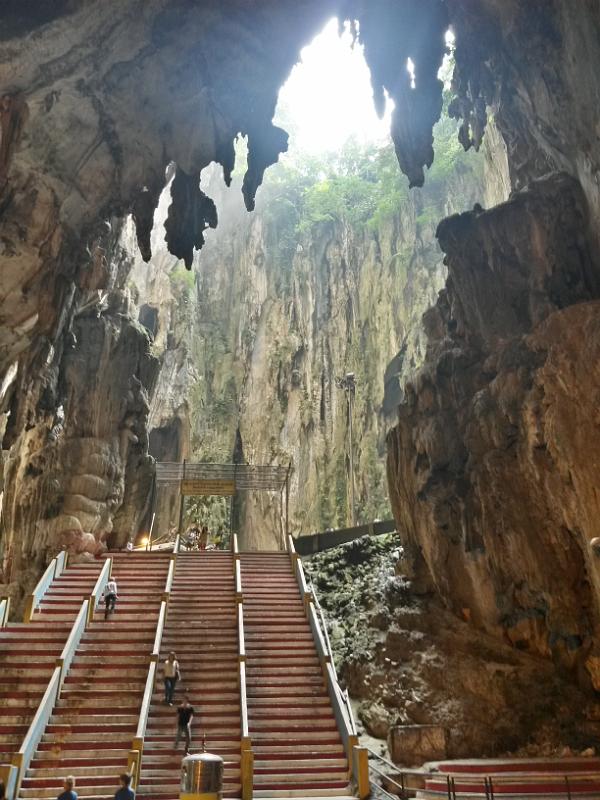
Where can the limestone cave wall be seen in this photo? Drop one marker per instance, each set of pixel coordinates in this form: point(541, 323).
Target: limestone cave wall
point(97, 99)
point(492, 466)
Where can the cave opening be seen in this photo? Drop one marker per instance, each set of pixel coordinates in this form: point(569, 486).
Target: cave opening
point(340, 260)
point(444, 302)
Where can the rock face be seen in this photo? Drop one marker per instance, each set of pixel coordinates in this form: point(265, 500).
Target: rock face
point(96, 101)
point(492, 460)
point(78, 474)
point(282, 306)
point(408, 661)
point(492, 468)
point(492, 464)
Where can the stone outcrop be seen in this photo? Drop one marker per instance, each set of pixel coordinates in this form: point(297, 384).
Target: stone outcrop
point(98, 99)
point(97, 103)
point(492, 464)
point(492, 460)
point(251, 350)
point(408, 662)
point(78, 474)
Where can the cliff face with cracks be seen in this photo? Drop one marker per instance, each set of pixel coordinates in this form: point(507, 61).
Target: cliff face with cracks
point(280, 304)
point(309, 301)
point(492, 465)
point(95, 101)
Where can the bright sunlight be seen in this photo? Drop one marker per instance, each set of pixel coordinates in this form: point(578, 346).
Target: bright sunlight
point(328, 97)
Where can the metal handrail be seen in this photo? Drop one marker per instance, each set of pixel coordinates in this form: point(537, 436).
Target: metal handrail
point(246, 754)
point(61, 563)
point(41, 587)
point(134, 761)
point(4, 611)
point(241, 637)
point(162, 615)
point(150, 532)
point(99, 586)
point(484, 783)
point(237, 571)
point(146, 700)
point(325, 633)
point(243, 702)
point(170, 576)
point(22, 758)
point(68, 651)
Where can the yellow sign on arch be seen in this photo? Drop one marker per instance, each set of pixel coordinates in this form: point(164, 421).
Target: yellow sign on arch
point(214, 487)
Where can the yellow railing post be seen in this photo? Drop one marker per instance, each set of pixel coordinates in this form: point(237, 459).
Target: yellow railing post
point(360, 757)
point(247, 769)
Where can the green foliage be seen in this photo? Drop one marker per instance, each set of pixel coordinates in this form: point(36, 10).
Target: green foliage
point(361, 185)
point(182, 278)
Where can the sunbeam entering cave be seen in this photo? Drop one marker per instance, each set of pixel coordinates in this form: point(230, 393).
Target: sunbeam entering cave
point(328, 97)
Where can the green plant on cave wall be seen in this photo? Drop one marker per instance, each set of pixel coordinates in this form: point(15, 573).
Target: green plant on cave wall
point(355, 197)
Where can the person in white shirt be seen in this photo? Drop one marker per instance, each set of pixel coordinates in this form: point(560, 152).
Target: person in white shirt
point(110, 597)
point(171, 675)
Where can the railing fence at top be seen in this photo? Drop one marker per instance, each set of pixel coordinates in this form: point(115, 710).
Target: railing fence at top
point(408, 782)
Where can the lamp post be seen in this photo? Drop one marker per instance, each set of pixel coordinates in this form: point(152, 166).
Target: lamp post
point(348, 384)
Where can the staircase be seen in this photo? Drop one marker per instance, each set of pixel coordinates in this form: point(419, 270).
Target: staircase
point(28, 652)
point(201, 628)
point(297, 748)
point(217, 602)
point(91, 730)
point(515, 778)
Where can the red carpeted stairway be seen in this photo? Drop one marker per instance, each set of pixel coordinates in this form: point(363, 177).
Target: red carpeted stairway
point(297, 748)
point(518, 778)
point(201, 628)
point(28, 652)
point(91, 730)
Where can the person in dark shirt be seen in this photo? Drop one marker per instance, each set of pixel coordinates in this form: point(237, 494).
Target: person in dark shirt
point(2, 790)
point(68, 792)
point(124, 792)
point(185, 715)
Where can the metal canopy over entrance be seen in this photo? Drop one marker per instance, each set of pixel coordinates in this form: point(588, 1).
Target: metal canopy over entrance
point(223, 480)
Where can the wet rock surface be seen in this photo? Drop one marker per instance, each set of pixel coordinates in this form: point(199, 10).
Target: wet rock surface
point(407, 660)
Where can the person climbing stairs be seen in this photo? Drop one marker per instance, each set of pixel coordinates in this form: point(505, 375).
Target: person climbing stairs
point(201, 629)
point(297, 747)
point(90, 732)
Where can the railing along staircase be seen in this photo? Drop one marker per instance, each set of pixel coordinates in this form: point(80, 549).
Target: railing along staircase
point(280, 752)
point(340, 700)
point(34, 657)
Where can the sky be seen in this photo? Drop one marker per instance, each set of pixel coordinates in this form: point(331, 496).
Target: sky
point(328, 96)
